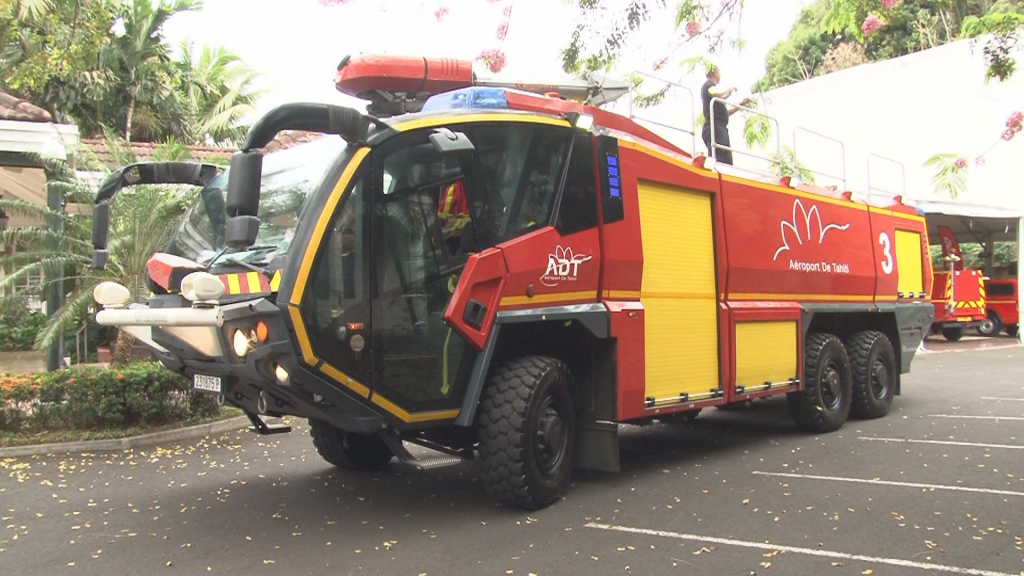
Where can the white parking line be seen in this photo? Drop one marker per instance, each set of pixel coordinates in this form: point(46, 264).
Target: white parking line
point(961, 350)
point(798, 550)
point(942, 442)
point(1003, 399)
point(892, 483)
point(976, 417)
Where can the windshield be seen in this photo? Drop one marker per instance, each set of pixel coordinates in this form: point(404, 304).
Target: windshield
point(289, 177)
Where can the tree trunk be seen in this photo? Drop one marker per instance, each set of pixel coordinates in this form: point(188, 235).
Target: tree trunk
point(131, 112)
point(122, 348)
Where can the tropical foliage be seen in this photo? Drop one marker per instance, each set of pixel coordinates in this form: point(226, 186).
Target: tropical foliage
point(830, 35)
point(950, 178)
point(217, 88)
point(1004, 255)
point(112, 69)
point(142, 220)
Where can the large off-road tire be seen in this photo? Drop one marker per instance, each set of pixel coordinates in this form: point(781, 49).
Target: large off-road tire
point(1011, 330)
point(873, 362)
point(824, 403)
point(527, 428)
point(347, 449)
point(990, 326)
point(953, 334)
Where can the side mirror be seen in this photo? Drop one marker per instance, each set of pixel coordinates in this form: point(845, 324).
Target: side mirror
point(142, 173)
point(243, 199)
point(100, 229)
point(450, 143)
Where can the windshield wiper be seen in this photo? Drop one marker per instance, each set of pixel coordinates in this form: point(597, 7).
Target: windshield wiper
point(254, 268)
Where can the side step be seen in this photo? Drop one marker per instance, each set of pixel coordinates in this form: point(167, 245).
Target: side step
point(263, 429)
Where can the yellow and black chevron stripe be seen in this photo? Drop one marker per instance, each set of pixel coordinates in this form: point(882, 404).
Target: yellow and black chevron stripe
point(250, 283)
point(979, 303)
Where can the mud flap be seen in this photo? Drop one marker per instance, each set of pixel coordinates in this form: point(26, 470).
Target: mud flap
point(597, 447)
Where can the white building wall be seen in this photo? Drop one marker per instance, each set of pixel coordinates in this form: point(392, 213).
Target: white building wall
point(907, 109)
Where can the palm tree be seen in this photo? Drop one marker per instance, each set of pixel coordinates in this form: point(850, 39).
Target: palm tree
point(218, 88)
point(142, 56)
point(142, 221)
point(33, 8)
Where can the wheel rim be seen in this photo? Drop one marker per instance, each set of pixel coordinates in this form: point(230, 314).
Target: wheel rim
point(987, 326)
point(879, 379)
point(831, 386)
point(552, 439)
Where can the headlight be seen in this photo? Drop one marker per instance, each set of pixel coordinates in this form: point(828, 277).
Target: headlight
point(111, 294)
point(240, 343)
point(282, 375)
point(201, 287)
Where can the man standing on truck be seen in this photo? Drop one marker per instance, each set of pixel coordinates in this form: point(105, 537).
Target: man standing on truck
point(721, 118)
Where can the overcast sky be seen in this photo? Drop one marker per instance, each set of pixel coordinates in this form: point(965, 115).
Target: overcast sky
point(298, 47)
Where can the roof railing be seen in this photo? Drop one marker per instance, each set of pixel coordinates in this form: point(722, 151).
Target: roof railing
point(903, 176)
point(672, 85)
point(842, 154)
point(774, 160)
point(799, 133)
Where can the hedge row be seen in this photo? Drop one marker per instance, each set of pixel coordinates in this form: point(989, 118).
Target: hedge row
point(89, 398)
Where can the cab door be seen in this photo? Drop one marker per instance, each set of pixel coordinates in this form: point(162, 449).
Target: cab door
point(419, 213)
point(330, 305)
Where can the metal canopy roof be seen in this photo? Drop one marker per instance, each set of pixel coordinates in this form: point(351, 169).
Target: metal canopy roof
point(971, 223)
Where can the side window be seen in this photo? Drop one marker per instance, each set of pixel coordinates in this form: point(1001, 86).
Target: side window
point(541, 173)
point(578, 210)
point(338, 293)
point(518, 167)
point(1000, 289)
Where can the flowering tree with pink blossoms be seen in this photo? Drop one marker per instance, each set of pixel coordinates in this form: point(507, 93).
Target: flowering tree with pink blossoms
point(493, 57)
point(996, 24)
point(951, 170)
point(606, 29)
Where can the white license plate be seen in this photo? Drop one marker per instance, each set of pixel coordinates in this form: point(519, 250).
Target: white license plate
point(207, 383)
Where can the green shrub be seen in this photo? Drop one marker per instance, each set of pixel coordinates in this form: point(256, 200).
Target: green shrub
point(18, 329)
point(88, 398)
point(20, 325)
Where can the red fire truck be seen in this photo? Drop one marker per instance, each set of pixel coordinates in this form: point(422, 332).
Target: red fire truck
point(1001, 301)
point(602, 275)
point(958, 294)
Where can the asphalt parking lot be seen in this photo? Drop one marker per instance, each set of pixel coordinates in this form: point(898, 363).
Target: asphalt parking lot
point(935, 487)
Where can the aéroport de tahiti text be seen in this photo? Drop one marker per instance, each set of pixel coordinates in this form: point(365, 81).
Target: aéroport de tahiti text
point(822, 266)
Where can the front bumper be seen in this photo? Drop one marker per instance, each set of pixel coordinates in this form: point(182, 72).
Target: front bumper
point(197, 341)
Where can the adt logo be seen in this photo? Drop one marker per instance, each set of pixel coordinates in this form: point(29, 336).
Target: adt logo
point(563, 266)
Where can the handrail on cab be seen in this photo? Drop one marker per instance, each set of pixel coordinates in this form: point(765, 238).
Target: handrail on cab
point(903, 176)
point(693, 118)
point(716, 146)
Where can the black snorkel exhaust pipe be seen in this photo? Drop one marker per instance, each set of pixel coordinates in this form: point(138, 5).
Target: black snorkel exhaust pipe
point(243, 196)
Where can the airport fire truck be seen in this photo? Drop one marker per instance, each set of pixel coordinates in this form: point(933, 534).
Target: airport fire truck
point(507, 274)
point(1001, 302)
point(958, 294)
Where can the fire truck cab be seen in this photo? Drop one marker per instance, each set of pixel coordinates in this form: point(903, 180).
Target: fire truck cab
point(598, 275)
